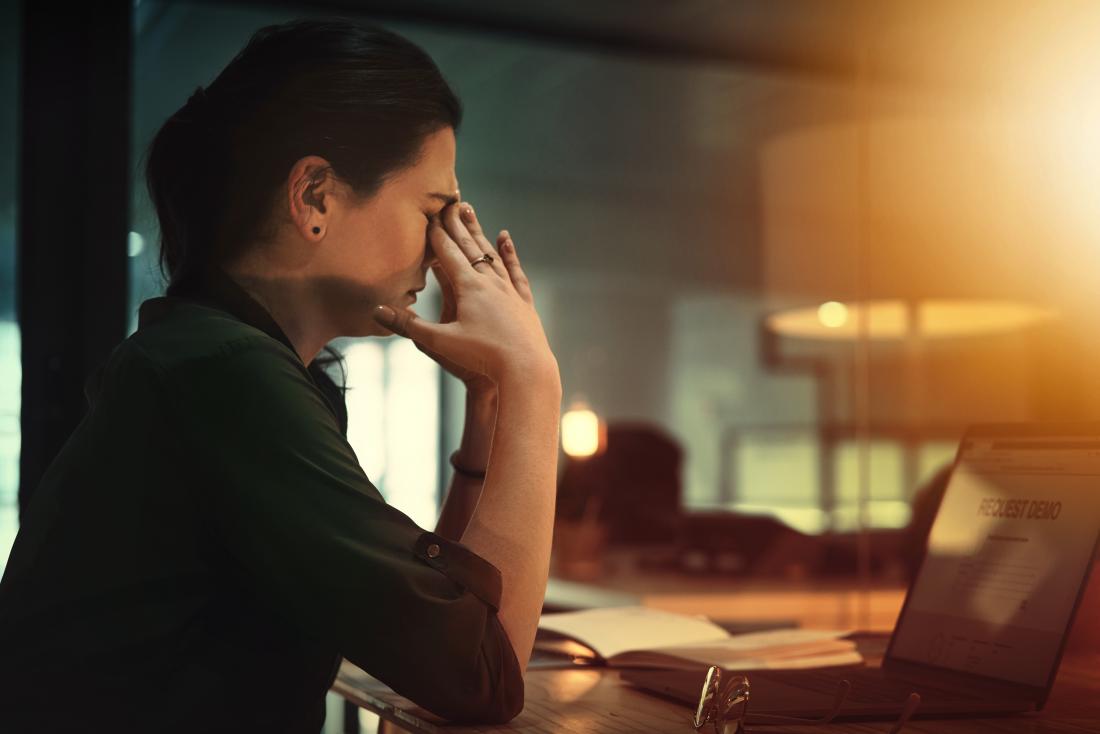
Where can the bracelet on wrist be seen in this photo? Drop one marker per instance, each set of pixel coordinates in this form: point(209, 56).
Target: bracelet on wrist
point(463, 470)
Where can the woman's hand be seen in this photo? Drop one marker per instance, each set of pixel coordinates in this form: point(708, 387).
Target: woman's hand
point(477, 385)
point(494, 331)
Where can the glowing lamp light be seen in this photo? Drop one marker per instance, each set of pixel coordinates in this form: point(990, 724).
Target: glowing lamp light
point(581, 431)
point(832, 314)
point(896, 320)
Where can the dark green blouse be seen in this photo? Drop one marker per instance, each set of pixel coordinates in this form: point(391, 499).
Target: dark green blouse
point(206, 546)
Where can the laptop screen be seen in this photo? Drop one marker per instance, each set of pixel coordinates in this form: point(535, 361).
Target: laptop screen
point(1007, 556)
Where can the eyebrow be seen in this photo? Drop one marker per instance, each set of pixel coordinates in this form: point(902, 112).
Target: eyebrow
point(445, 198)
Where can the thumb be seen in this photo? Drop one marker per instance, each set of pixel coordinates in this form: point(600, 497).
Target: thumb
point(406, 323)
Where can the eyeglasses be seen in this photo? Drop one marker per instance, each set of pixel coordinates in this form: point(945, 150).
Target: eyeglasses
point(726, 707)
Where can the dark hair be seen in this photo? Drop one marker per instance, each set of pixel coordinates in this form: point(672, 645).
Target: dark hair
point(358, 95)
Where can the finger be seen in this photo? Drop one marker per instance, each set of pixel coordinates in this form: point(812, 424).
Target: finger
point(449, 310)
point(424, 350)
point(453, 260)
point(469, 216)
point(441, 276)
point(458, 232)
point(515, 271)
point(406, 323)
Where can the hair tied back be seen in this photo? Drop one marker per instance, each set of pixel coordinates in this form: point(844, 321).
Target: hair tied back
point(196, 105)
point(198, 97)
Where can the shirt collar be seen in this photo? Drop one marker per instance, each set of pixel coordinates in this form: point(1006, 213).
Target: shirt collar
point(218, 289)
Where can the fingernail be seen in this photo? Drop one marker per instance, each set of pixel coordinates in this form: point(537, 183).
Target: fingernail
point(467, 212)
point(384, 315)
point(507, 246)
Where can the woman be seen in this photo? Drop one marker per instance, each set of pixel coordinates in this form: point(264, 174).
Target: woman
point(206, 546)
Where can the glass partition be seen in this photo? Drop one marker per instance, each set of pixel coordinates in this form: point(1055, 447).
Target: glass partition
point(809, 283)
point(10, 364)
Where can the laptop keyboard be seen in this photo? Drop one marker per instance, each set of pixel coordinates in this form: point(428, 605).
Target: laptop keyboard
point(868, 686)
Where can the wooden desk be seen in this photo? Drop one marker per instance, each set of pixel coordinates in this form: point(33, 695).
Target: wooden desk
point(594, 700)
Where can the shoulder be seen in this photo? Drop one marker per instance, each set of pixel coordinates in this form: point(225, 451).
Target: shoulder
point(183, 335)
point(178, 341)
point(210, 361)
point(207, 357)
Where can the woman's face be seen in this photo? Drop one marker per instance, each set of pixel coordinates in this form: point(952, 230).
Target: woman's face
point(380, 249)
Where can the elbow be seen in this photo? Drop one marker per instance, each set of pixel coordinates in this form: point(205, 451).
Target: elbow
point(482, 688)
point(506, 707)
point(484, 705)
point(494, 693)
point(508, 698)
point(499, 705)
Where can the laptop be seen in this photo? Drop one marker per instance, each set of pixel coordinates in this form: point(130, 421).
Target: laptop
point(987, 615)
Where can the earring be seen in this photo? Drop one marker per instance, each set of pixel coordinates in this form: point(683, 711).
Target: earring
point(316, 230)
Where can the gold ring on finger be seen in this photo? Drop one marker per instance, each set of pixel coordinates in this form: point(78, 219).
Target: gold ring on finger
point(486, 258)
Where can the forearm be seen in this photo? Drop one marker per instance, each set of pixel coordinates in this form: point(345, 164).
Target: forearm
point(462, 496)
point(473, 453)
point(511, 525)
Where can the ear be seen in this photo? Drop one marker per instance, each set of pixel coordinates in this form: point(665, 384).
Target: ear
point(311, 186)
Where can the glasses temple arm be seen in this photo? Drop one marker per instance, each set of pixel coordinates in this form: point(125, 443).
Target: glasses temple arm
point(907, 712)
point(841, 696)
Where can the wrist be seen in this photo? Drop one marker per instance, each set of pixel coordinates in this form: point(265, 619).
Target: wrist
point(477, 433)
point(481, 399)
point(483, 387)
point(540, 375)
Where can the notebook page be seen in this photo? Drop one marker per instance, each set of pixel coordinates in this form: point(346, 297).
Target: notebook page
point(699, 658)
point(614, 630)
point(772, 648)
point(791, 639)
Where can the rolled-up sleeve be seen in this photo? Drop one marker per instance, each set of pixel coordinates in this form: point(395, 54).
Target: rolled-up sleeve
point(306, 532)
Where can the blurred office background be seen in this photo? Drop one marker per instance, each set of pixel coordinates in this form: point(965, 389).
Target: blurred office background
point(806, 243)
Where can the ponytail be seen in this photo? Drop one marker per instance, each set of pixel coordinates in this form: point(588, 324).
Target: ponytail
point(179, 185)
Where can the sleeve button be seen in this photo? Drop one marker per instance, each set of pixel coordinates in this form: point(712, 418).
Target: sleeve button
point(433, 550)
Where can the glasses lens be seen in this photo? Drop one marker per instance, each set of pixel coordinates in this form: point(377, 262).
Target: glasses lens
point(733, 705)
point(704, 712)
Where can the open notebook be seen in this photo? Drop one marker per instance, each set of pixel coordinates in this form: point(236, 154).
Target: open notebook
point(640, 637)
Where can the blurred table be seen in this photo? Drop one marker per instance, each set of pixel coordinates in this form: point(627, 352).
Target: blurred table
point(595, 700)
point(838, 603)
